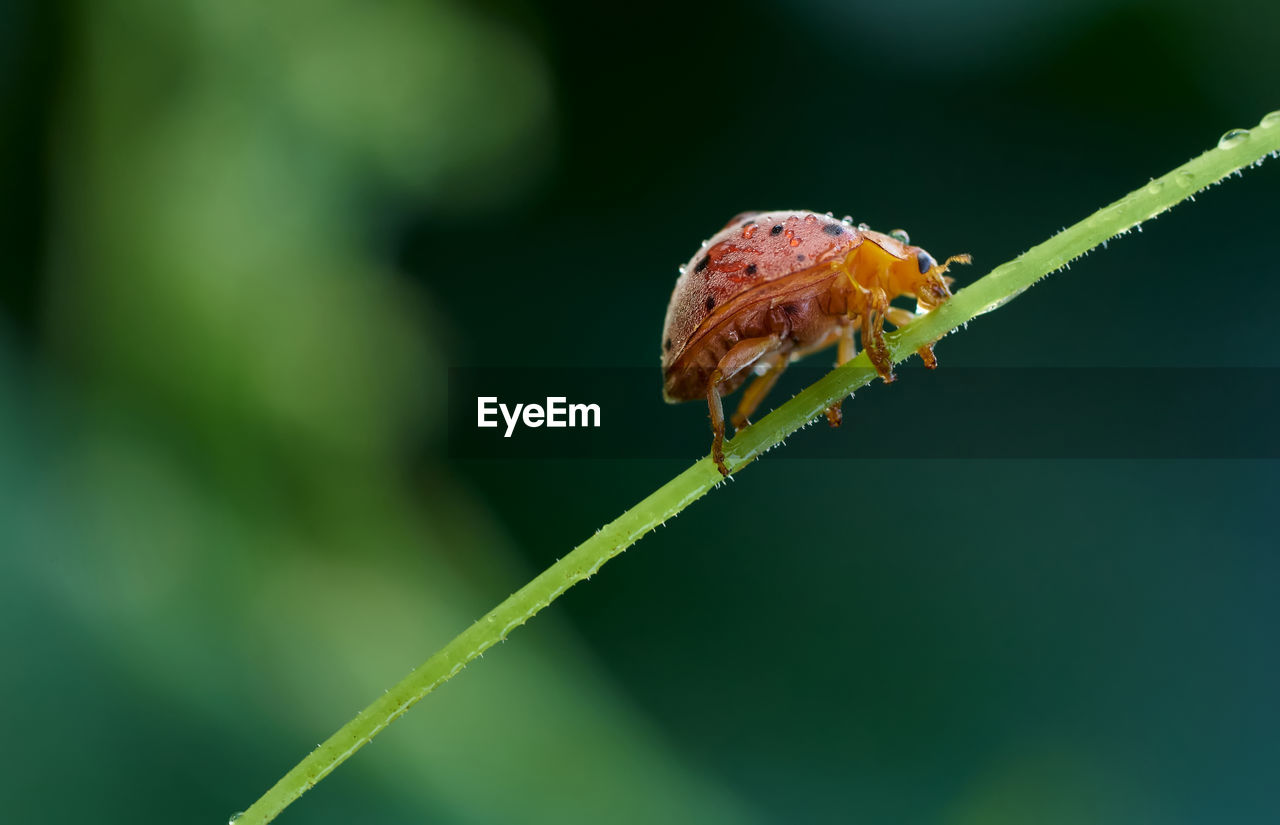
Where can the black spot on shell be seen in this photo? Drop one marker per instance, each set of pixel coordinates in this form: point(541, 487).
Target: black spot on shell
point(666, 345)
point(711, 303)
point(833, 229)
point(777, 230)
point(751, 269)
point(702, 264)
point(790, 309)
point(800, 257)
point(925, 262)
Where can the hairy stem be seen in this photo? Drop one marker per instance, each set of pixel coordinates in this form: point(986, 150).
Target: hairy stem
point(1235, 152)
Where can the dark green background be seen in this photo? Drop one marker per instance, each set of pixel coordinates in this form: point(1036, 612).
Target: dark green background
point(243, 242)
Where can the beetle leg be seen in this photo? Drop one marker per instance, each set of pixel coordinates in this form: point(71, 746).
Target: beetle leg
point(740, 356)
point(873, 335)
point(846, 349)
point(877, 350)
point(717, 421)
point(757, 390)
point(900, 317)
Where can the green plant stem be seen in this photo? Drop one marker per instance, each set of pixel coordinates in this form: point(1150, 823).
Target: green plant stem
point(1001, 285)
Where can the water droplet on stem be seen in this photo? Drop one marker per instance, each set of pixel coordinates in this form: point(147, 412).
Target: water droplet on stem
point(1233, 138)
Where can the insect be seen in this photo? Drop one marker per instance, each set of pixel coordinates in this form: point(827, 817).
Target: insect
point(772, 287)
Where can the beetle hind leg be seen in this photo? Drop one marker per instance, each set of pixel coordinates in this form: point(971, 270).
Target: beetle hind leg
point(716, 407)
point(740, 356)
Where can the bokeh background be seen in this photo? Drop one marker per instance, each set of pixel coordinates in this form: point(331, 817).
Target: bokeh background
point(243, 242)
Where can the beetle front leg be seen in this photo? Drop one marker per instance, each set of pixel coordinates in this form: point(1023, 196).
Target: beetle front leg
point(873, 335)
point(740, 356)
point(900, 317)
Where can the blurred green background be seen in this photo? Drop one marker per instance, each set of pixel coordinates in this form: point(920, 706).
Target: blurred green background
point(244, 241)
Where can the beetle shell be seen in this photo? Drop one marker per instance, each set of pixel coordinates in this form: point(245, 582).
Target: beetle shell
point(752, 250)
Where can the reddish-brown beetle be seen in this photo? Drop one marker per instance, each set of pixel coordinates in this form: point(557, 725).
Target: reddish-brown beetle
point(772, 287)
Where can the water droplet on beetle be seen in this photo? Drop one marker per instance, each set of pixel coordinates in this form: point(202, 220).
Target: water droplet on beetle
point(748, 231)
point(1233, 138)
point(847, 220)
point(829, 214)
point(1270, 119)
point(900, 235)
point(235, 816)
point(862, 227)
point(683, 268)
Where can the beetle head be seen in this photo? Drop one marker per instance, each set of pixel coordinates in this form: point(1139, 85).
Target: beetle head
point(933, 287)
